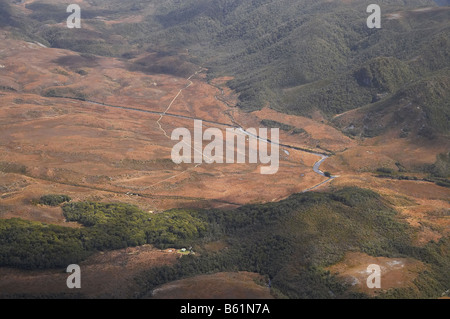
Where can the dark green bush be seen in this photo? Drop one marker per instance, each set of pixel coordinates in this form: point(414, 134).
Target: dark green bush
point(54, 200)
point(385, 170)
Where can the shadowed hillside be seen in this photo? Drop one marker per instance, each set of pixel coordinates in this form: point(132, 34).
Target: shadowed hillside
point(5, 14)
point(291, 242)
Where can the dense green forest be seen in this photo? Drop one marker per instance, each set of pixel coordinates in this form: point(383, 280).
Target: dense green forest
point(290, 242)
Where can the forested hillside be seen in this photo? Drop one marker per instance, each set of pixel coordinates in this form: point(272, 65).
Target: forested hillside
point(293, 241)
point(290, 242)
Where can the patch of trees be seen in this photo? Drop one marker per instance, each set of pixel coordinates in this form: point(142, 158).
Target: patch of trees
point(8, 167)
point(117, 226)
point(285, 127)
point(32, 245)
point(66, 92)
point(441, 168)
point(385, 170)
point(54, 200)
point(275, 124)
point(439, 171)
